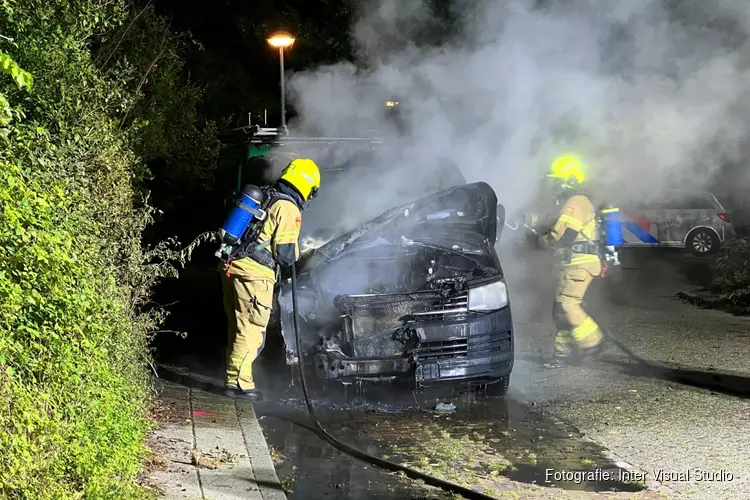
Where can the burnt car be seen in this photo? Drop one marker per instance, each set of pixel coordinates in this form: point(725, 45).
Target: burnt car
point(417, 293)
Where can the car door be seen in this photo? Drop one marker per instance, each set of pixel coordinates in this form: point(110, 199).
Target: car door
point(638, 224)
point(682, 212)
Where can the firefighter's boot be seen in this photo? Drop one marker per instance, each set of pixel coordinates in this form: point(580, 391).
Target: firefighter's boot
point(233, 391)
point(588, 354)
point(563, 351)
point(556, 363)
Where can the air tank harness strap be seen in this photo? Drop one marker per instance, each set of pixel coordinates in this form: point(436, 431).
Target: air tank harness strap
point(263, 256)
point(256, 253)
point(586, 247)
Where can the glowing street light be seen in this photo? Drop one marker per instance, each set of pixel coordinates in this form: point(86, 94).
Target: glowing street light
point(282, 41)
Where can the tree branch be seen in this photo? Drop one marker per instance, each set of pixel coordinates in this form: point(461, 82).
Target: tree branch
point(145, 75)
point(122, 38)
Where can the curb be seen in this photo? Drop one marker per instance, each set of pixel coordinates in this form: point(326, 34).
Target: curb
point(701, 299)
point(188, 379)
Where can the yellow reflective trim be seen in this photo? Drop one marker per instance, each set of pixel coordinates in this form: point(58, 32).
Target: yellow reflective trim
point(286, 237)
point(587, 328)
point(250, 266)
point(583, 259)
point(286, 234)
point(286, 241)
point(610, 210)
point(571, 221)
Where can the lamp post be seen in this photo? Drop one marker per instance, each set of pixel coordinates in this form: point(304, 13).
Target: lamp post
point(282, 41)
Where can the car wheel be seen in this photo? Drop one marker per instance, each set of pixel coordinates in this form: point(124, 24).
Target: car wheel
point(495, 389)
point(702, 242)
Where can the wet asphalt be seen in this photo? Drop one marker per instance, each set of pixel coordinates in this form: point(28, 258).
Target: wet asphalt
point(602, 419)
point(687, 412)
point(492, 445)
point(483, 444)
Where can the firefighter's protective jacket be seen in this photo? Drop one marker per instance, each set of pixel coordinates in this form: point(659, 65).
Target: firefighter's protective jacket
point(575, 234)
point(278, 239)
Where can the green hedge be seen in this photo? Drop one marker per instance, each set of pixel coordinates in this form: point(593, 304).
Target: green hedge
point(73, 388)
point(74, 278)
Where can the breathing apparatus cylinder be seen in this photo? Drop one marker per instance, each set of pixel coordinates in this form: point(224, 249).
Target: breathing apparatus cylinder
point(612, 232)
point(247, 209)
point(612, 226)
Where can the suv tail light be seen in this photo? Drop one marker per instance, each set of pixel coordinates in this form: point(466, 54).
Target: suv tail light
point(725, 217)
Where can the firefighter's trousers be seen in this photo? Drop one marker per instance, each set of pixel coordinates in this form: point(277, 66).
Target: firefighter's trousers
point(247, 302)
point(577, 332)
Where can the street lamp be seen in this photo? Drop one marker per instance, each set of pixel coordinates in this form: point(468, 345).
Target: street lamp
point(282, 41)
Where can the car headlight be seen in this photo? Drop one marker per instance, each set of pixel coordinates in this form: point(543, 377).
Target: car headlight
point(489, 297)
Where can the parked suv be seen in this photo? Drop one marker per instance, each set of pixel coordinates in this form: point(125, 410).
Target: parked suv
point(696, 221)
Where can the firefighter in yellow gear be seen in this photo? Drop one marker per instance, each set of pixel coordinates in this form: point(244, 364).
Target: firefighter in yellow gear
point(249, 277)
point(575, 237)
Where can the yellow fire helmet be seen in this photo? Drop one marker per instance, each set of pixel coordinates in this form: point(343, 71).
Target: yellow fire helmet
point(568, 169)
point(304, 175)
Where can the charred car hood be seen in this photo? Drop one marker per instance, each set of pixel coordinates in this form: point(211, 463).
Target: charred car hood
point(460, 219)
point(418, 259)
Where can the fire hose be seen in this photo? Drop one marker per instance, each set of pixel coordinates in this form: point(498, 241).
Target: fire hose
point(349, 450)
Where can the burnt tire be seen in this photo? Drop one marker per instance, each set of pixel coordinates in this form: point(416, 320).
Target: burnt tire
point(495, 389)
point(702, 242)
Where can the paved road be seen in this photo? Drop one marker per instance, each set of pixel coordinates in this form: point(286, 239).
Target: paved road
point(641, 417)
point(652, 423)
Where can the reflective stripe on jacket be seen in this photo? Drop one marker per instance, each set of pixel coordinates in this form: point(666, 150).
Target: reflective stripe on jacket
point(577, 217)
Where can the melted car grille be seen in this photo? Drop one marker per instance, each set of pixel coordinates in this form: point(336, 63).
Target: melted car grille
point(475, 347)
point(371, 320)
point(444, 309)
point(442, 349)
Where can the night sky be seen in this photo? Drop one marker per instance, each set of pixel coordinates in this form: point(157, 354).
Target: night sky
point(239, 70)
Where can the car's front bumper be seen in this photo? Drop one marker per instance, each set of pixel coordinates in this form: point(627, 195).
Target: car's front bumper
point(477, 348)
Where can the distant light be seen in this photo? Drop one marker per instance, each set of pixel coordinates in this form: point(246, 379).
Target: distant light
point(391, 104)
point(281, 40)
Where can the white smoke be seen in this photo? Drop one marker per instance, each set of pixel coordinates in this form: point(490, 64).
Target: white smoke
point(649, 96)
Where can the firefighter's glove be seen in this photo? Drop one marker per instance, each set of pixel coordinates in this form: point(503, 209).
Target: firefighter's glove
point(532, 219)
point(543, 239)
point(532, 240)
point(540, 242)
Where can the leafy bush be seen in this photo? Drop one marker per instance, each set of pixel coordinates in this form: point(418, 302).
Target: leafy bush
point(73, 387)
point(74, 278)
point(732, 272)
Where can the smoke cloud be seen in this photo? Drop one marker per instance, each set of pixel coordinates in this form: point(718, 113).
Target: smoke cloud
point(650, 94)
